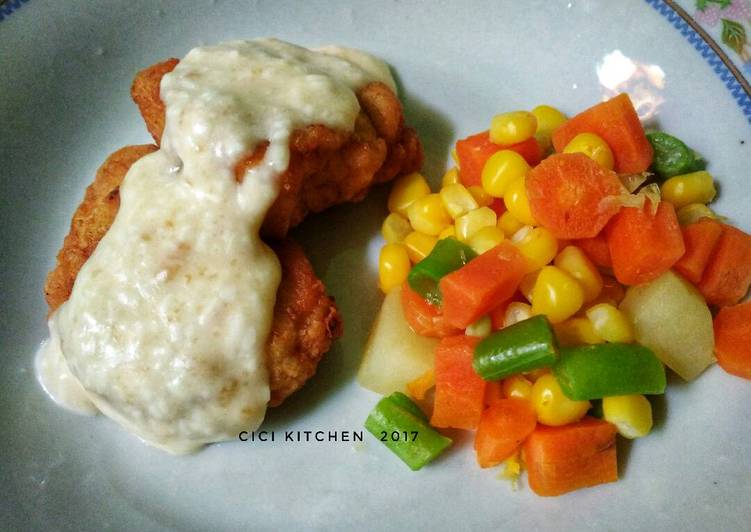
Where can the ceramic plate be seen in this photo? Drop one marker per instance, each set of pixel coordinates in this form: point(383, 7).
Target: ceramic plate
point(65, 72)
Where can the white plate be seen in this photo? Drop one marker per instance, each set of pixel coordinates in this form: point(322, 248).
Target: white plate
point(65, 71)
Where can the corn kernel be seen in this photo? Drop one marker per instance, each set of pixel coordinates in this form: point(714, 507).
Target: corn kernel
point(508, 224)
point(485, 239)
point(682, 190)
point(449, 232)
point(517, 202)
point(419, 387)
point(516, 312)
point(451, 177)
point(393, 266)
point(693, 212)
point(501, 169)
point(552, 406)
point(482, 198)
point(610, 323)
point(631, 414)
point(548, 120)
point(594, 147)
point(513, 127)
point(457, 200)
point(395, 227)
point(527, 285)
point(556, 294)
point(405, 191)
point(537, 244)
point(480, 329)
point(517, 387)
point(576, 331)
point(455, 156)
point(428, 215)
point(419, 245)
point(468, 224)
point(573, 261)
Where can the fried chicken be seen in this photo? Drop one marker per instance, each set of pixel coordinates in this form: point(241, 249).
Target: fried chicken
point(306, 320)
point(326, 167)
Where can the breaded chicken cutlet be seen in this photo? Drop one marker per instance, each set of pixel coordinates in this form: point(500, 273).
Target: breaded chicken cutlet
point(326, 168)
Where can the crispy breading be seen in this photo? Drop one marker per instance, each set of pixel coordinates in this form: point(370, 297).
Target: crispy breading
point(306, 320)
point(326, 167)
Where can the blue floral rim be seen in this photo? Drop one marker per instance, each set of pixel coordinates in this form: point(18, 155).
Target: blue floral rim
point(9, 6)
point(721, 66)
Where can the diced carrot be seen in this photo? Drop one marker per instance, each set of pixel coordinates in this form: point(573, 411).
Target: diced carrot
point(571, 457)
point(596, 248)
point(566, 193)
point(424, 318)
point(420, 386)
point(493, 393)
point(498, 315)
point(728, 274)
point(482, 284)
point(502, 429)
point(644, 246)
point(732, 332)
point(475, 150)
point(498, 206)
point(459, 390)
point(618, 124)
point(700, 239)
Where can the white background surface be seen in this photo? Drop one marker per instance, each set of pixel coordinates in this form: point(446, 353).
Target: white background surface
point(65, 72)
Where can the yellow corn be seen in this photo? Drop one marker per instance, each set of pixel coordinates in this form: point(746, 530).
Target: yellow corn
point(481, 328)
point(513, 127)
point(682, 190)
point(451, 177)
point(457, 200)
point(516, 312)
point(517, 387)
point(594, 147)
point(573, 261)
point(537, 244)
point(517, 202)
point(576, 331)
point(420, 386)
point(508, 224)
point(395, 227)
point(556, 294)
point(393, 266)
point(455, 157)
point(552, 406)
point(548, 120)
point(527, 285)
point(693, 212)
point(419, 245)
point(450, 231)
point(482, 198)
point(485, 239)
point(405, 191)
point(428, 215)
point(631, 414)
point(468, 224)
point(501, 169)
point(610, 323)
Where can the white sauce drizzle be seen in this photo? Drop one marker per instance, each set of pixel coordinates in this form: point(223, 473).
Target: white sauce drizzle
point(166, 327)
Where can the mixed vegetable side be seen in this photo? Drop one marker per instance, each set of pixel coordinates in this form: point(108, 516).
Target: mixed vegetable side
point(537, 298)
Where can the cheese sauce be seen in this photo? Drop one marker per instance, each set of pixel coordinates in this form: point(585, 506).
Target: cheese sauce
point(166, 327)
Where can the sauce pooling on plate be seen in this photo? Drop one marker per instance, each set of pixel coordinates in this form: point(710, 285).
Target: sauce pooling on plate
point(166, 327)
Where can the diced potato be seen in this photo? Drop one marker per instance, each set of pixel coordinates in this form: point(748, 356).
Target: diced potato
point(671, 317)
point(394, 355)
